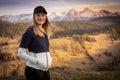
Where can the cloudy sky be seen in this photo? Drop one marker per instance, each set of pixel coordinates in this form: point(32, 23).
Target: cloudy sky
point(14, 7)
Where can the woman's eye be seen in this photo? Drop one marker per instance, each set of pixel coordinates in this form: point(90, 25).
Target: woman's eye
point(38, 14)
point(42, 15)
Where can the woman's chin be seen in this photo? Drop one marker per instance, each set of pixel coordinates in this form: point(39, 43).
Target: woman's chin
point(40, 23)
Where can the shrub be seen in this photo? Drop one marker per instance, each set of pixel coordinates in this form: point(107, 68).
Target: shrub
point(4, 44)
point(114, 33)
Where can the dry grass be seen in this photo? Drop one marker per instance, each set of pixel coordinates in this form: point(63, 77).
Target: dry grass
point(69, 58)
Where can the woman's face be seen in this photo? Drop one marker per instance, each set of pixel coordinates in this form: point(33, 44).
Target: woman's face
point(40, 18)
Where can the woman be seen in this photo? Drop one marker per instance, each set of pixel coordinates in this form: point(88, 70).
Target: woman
point(35, 39)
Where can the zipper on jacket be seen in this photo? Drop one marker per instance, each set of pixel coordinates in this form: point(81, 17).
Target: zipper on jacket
point(47, 60)
point(46, 55)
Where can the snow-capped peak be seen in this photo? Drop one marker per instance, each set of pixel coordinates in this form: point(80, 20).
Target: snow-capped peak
point(71, 15)
point(87, 10)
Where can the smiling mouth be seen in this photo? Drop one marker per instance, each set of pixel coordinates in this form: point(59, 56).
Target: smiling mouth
point(39, 20)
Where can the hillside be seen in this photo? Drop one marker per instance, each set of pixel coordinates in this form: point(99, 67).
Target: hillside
point(87, 48)
point(71, 56)
point(111, 19)
point(63, 28)
point(10, 30)
point(69, 28)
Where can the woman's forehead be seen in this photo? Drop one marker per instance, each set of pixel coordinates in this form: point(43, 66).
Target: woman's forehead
point(40, 13)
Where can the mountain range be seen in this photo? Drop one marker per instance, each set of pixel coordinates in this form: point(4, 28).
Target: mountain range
point(71, 15)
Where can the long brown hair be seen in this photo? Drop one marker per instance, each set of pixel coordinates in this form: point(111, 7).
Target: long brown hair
point(45, 29)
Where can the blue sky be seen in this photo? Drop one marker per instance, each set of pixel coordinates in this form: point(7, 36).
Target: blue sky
point(14, 7)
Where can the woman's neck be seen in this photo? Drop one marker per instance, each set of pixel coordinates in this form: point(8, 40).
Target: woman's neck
point(39, 26)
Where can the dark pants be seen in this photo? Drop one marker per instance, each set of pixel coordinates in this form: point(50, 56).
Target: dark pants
point(35, 74)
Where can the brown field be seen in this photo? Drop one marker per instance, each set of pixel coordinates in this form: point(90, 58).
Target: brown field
point(70, 59)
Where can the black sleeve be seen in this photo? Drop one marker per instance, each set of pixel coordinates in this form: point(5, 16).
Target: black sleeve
point(26, 39)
